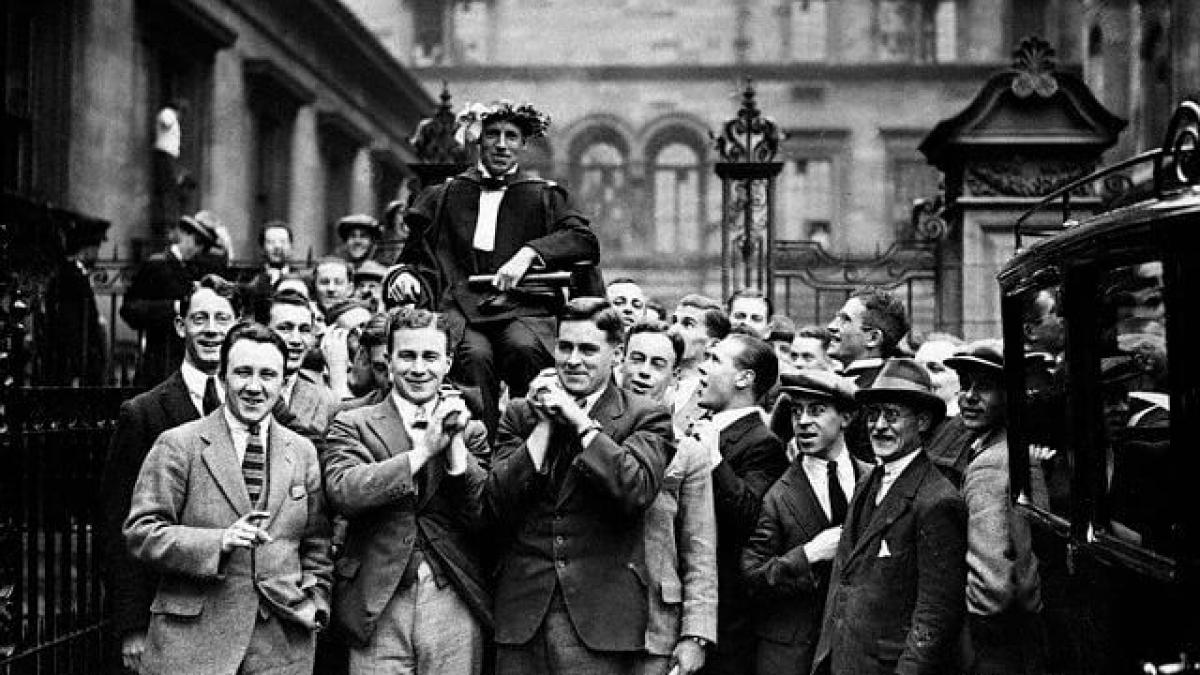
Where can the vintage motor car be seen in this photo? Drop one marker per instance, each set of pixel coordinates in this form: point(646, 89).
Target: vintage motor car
point(1102, 340)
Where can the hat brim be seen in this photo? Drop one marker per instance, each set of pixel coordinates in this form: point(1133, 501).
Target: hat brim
point(917, 399)
point(344, 229)
point(843, 401)
point(203, 234)
point(971, 362)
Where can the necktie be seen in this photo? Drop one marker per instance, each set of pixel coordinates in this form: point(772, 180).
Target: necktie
point(837, 498)
point(211, 400)
point(254, 464)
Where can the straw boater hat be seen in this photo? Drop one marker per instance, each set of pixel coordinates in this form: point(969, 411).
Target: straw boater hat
point(822, 384)
point(903, 380)
point(979, 355)
point(359, 221)
point(204, 230)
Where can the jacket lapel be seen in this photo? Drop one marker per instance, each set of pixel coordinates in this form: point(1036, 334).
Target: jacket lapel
point(281, 465)
point(805, 505)
point(895, 503)
point(222, 462)
point(177, 402)
point(388, 427)
point(609, 408)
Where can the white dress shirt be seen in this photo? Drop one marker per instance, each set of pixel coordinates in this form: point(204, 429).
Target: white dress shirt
point(241, 433)
point(489, 209)
point(892, 471)
point(818, 476)
point(196, 380)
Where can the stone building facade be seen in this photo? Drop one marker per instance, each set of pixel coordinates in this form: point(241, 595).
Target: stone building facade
point(287, 110)
point(636, 86)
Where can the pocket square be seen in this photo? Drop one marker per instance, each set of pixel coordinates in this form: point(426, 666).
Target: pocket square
point(298, 492)
point(883, 549)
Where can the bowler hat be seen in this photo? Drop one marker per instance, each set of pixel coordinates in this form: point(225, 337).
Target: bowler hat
point(821, 384)
point(979, 355)
point(359, 221)
point(369, 270)
point(903, 380)
point(204, 231)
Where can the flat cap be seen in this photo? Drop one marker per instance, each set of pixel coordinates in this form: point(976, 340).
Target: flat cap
point(821, 383)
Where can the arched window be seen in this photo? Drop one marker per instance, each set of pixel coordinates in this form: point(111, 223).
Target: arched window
point(600, 188)
point(678, 190)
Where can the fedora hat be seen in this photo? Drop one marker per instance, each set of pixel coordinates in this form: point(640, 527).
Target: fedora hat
point(979, 355)
point(201, 227)
point(820, 384)
point(903, 380)
point(358, 221)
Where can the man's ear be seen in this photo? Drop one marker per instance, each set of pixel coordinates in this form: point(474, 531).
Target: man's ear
point(180, 328)
point(745, 379)
point(873, 337)
point(618, 356)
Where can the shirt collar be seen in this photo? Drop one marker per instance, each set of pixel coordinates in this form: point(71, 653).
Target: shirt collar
point(724, 419)
point(488, 174)
point(589, 401)
point(863, 364)
point(195, 379)
point(896, 467)
point(841, 456)
point(408, 409)
point(238, 428)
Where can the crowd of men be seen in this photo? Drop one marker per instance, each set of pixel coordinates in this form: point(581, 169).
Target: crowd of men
point(445, 465)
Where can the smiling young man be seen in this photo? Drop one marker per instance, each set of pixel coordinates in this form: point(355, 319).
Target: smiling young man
point(494, 220)
point(746, 458)
point(681, 529)
point(306, 405)
point(577, 465)
point(206, 312)
point(788, 559)
point(403, 472)
point(230, 511)
point(359, 234)
point(896, 598)
point(1004, 600)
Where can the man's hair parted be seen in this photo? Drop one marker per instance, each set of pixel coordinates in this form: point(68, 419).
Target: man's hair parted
point(599, 312)
point(254, 332)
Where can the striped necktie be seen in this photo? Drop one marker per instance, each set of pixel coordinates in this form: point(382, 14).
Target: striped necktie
point(254, 464)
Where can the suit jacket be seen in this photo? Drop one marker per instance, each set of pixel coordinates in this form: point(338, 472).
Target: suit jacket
point(149, 307)
point(899, 611)
point(788, 590)
point(370, 482)
point(131, 584)
point(189, 490)
point(440, 250)
point(753, 461)
point(311, 407)
point(681, 555)
point(583, 533)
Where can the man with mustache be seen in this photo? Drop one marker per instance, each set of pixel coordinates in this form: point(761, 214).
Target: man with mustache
point(746, 458)
point(229, 510)
point(494, 220)
point(411, 593)
point(681, 529)
point(896, 593)
point(1004, 599)
point(577, 464)
point(789, 557)
point(305, 404)
point(205, 314)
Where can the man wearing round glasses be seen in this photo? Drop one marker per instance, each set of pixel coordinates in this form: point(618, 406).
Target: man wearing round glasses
point(897, 592)
point(204, 315)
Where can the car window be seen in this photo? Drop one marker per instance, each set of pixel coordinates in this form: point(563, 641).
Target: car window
point(1044, 415)
point(1136, 404)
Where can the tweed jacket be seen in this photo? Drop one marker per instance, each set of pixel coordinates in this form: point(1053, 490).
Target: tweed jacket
point(899, 607)
point(440, 251)
point(370, 483)
point(311, 407)
point(681, 554)
point(788, 590)
point(131, 584)
point(205, 611)
point(582, 533)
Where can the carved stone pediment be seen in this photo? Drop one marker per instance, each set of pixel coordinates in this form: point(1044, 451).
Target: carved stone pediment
point(1020, 176)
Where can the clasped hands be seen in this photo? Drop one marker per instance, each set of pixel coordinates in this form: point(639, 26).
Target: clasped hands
point(441, 440)
point(552, 403)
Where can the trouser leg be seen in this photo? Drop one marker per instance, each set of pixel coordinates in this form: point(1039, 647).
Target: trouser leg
point(523, 347)
point(474, 365)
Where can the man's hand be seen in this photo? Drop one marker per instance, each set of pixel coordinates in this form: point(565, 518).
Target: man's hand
point(436, 439)
point(710, 439)
point(688, 657)
point(245, 532)
point(511, 272)
point(404, 288)
point(132, 647)
point(824, 545)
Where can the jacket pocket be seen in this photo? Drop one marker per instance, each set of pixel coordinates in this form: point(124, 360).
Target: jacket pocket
point(177, 603)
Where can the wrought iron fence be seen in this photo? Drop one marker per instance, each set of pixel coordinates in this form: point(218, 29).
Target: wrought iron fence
point(53, 451)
